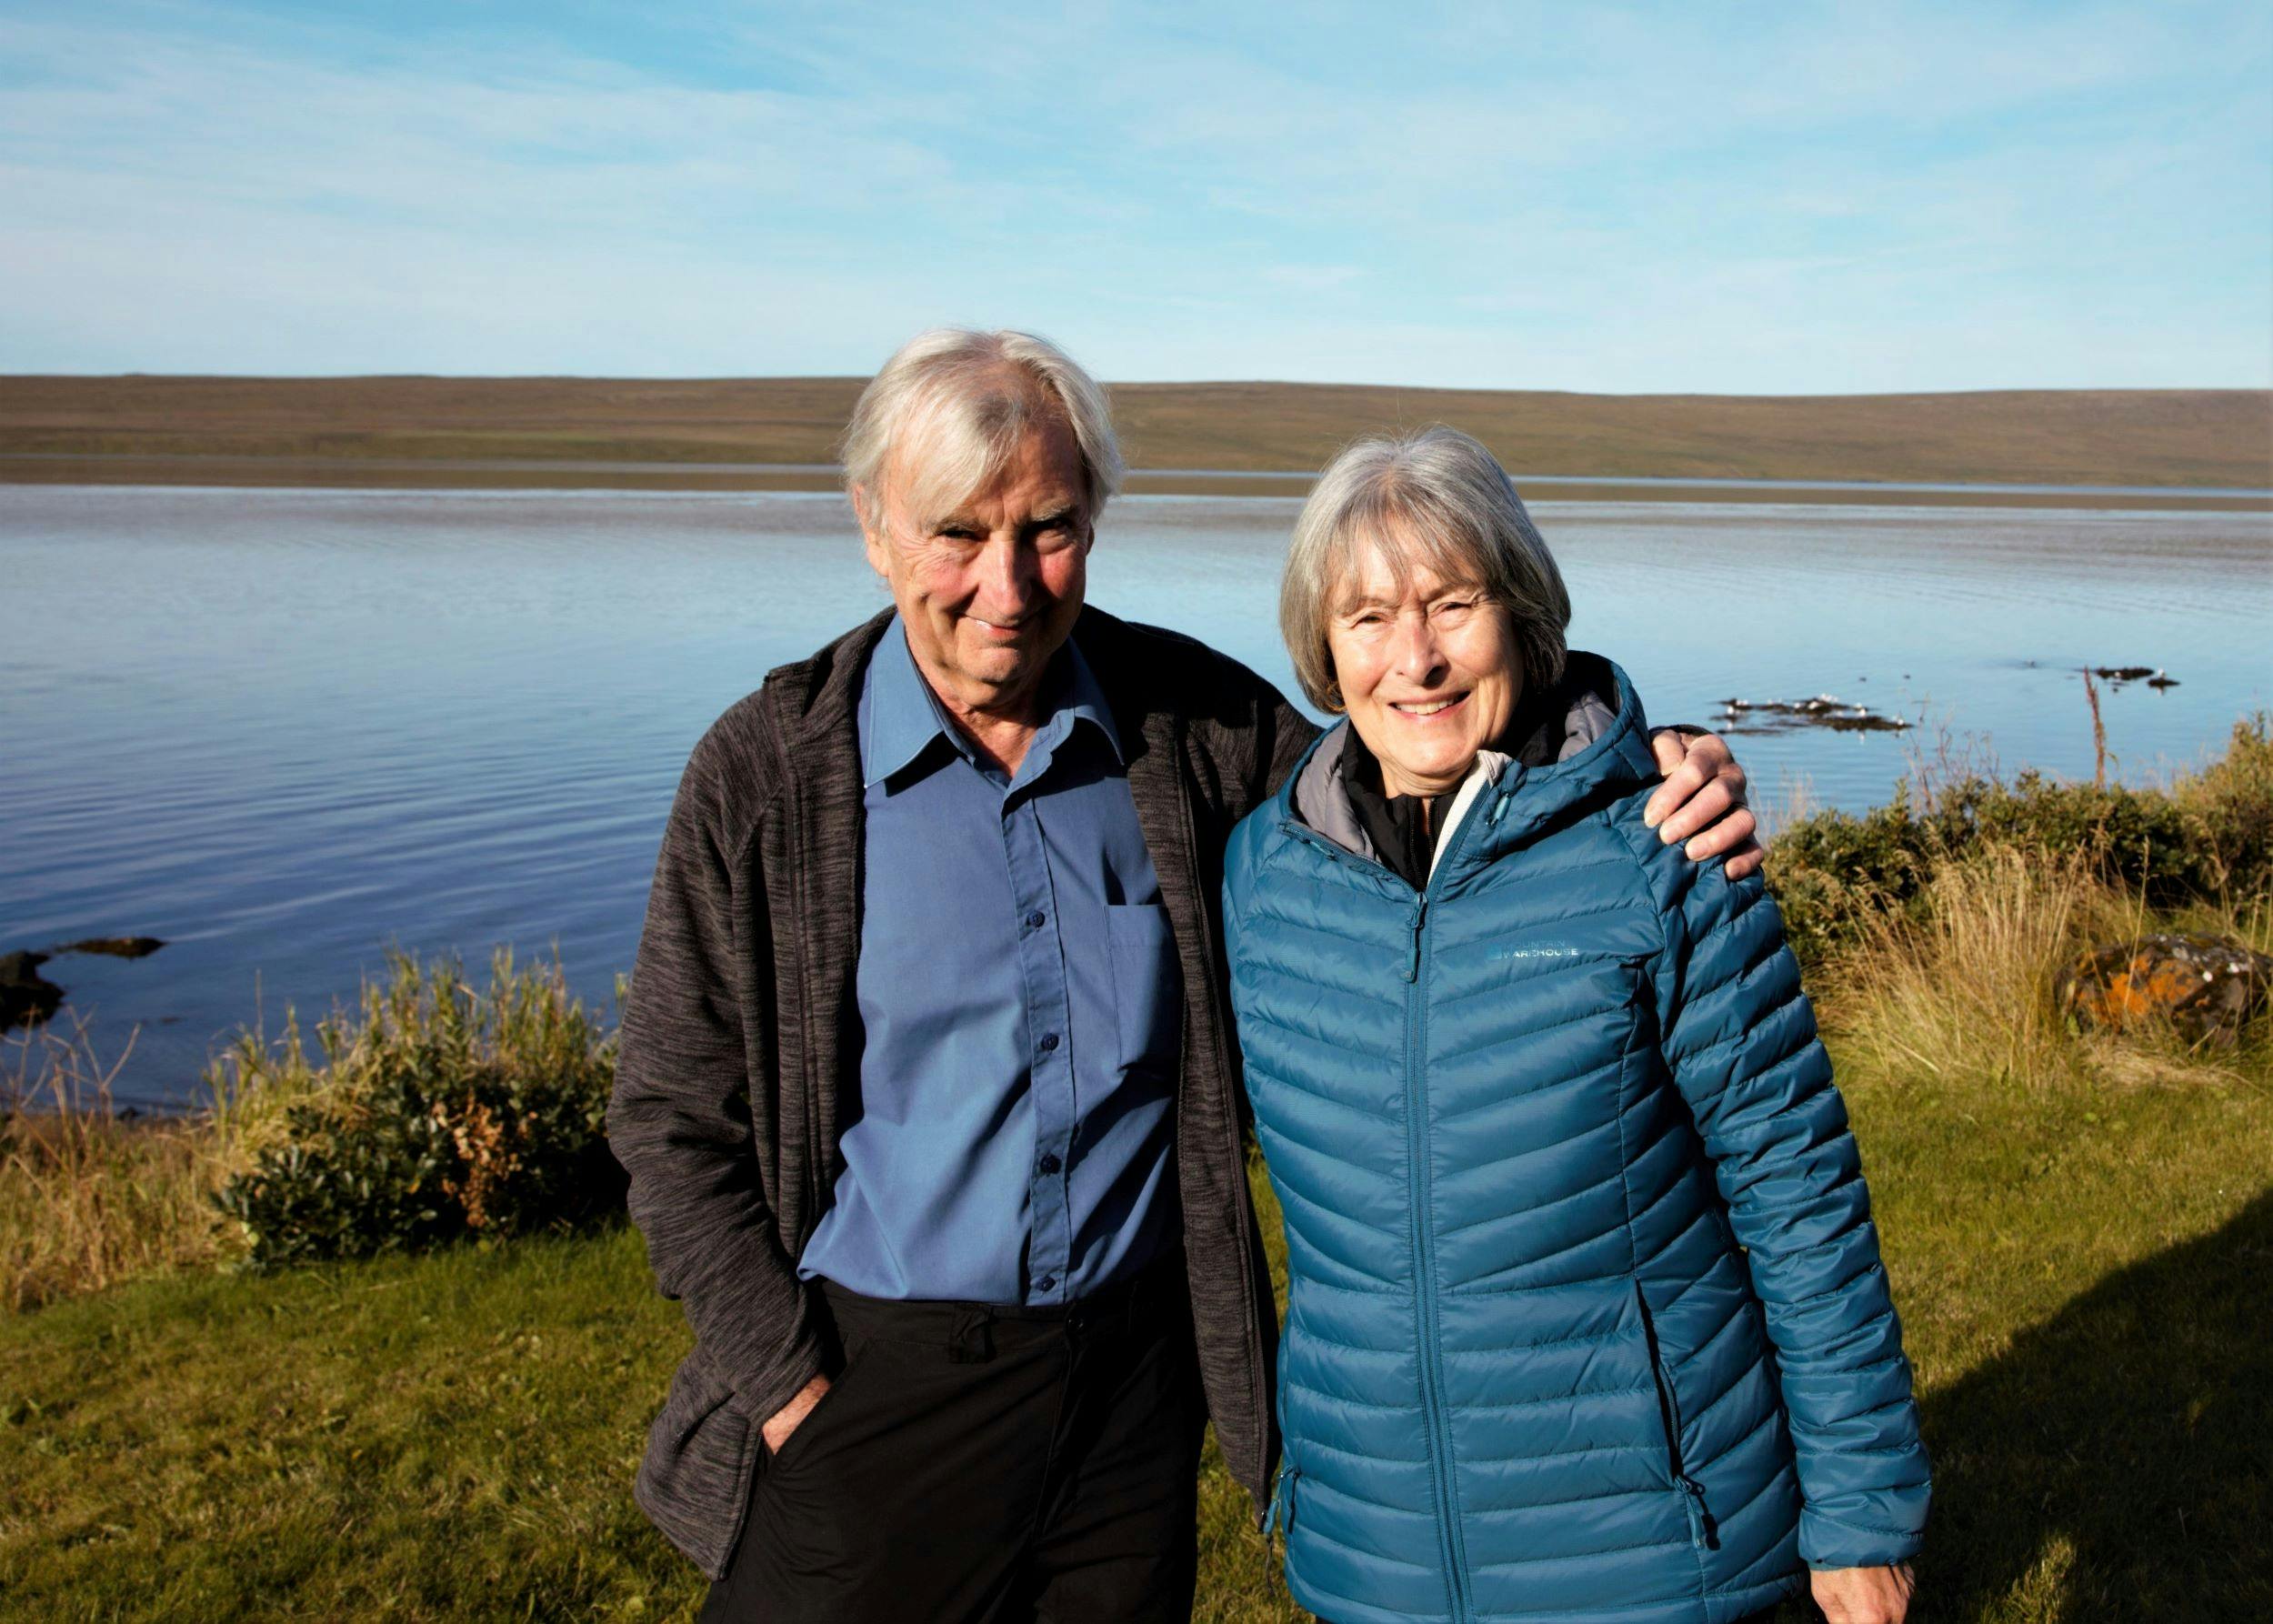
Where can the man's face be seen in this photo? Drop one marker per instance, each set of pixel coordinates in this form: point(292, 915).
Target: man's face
point(990, 590)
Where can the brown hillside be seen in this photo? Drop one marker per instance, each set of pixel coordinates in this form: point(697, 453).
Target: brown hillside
point(2177, 437)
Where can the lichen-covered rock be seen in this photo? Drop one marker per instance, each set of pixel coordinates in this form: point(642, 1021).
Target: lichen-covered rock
point(2206, 988)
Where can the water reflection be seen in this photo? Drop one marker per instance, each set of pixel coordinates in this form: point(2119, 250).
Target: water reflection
point(281, 729)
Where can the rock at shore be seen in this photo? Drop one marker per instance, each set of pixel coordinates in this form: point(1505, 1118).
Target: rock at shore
point(26, 998)
point(2206, 987)
point(1824, 710)
point(114, 947)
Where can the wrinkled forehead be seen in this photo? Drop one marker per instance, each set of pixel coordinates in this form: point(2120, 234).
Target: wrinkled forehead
point(1386, 558)
point(955, 442)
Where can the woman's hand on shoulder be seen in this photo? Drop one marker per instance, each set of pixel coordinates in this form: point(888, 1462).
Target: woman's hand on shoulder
point(1865, 1595)
point(1702, 800)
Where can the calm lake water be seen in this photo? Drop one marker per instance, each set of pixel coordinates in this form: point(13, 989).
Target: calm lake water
point(285, 729)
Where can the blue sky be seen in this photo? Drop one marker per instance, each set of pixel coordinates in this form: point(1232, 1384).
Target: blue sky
point(1757, 199)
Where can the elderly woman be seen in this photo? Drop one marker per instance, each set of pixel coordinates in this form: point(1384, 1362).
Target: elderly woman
point(1588, 1318)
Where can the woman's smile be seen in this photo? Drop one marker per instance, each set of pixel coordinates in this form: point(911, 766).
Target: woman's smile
point(1423, 710)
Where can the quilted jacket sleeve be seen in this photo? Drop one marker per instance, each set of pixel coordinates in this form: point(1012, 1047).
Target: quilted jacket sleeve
point(1740, 1040)
point(679, 1118)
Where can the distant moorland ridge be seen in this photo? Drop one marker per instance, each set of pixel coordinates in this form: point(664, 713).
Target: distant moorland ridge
point(2164, 438)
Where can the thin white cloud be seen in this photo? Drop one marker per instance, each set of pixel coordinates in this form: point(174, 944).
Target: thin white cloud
point(1870, 197)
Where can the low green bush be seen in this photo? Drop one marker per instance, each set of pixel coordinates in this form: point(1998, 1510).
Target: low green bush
point(2208, 836)
point(438, 1113)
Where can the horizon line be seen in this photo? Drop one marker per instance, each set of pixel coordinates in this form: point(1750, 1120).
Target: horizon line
point(1243, 382)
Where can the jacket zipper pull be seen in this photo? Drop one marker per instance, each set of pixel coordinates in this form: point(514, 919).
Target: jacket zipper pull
point(1701, 1520)
point(1279, 1513)
point(1412, 945)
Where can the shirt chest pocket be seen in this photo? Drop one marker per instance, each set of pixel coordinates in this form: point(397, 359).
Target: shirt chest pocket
point(1147, 999)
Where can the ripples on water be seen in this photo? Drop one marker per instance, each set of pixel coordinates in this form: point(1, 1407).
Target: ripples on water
point(284, 730)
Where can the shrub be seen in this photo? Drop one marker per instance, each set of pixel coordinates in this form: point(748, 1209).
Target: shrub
point(2209, 837)
point(438, 1113)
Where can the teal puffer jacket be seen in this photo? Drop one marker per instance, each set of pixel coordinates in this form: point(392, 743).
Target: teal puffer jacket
point(1588, 1319)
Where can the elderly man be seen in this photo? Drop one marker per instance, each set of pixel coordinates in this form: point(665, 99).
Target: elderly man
point(928, 1091)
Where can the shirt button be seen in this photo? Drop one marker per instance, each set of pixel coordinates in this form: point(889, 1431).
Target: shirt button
point(1050, 1164)
point(1049, 1042)
point(1036, 919)
point(1047, 1283)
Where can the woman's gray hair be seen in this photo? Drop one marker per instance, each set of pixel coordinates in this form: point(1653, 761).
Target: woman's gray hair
point(947, 411)
point(1436, 498)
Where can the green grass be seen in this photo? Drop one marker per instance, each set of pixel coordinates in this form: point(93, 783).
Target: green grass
point(2079, 1232)
point(2084, 1270)
point(449, 1437)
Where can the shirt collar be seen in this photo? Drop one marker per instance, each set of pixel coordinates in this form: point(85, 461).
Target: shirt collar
point(900, 715)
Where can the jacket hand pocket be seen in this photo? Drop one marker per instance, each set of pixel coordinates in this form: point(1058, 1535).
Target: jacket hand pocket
point(701, 1451)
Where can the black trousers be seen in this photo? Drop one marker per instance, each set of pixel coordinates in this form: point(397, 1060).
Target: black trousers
point(986, 1464)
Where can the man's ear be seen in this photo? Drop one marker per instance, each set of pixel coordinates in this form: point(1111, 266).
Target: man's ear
point(870, 512)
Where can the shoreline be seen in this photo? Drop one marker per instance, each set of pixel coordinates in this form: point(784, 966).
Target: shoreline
point(446, 474)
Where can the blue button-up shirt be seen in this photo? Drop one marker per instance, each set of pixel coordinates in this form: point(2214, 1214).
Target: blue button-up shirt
point(1018, 989)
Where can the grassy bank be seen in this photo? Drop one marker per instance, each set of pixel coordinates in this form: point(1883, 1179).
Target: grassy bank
point(2174, 438)
point(2084, 1278)
point(432, 1109)
point(2079, 1230)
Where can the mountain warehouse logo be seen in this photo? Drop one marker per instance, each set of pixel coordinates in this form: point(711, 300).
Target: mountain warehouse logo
point(1541, 950)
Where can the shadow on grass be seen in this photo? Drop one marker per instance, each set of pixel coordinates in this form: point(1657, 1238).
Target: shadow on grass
point(2117, 1463)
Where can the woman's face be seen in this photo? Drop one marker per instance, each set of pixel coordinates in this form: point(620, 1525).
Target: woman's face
point(1429, 673)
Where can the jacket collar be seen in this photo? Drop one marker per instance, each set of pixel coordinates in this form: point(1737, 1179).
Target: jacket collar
point(1601, 740)
point(816, 700)
point(900, 717)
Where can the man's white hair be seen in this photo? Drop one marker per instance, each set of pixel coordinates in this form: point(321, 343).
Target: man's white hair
point(948, 410)
point(1436, 497)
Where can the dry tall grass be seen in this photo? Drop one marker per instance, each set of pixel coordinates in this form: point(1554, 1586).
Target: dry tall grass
point(89, 1198)
point(1964, 985)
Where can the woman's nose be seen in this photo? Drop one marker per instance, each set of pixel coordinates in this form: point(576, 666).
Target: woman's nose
point(1418, 658)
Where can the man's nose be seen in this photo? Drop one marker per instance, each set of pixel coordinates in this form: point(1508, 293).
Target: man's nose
point(1006, 569)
